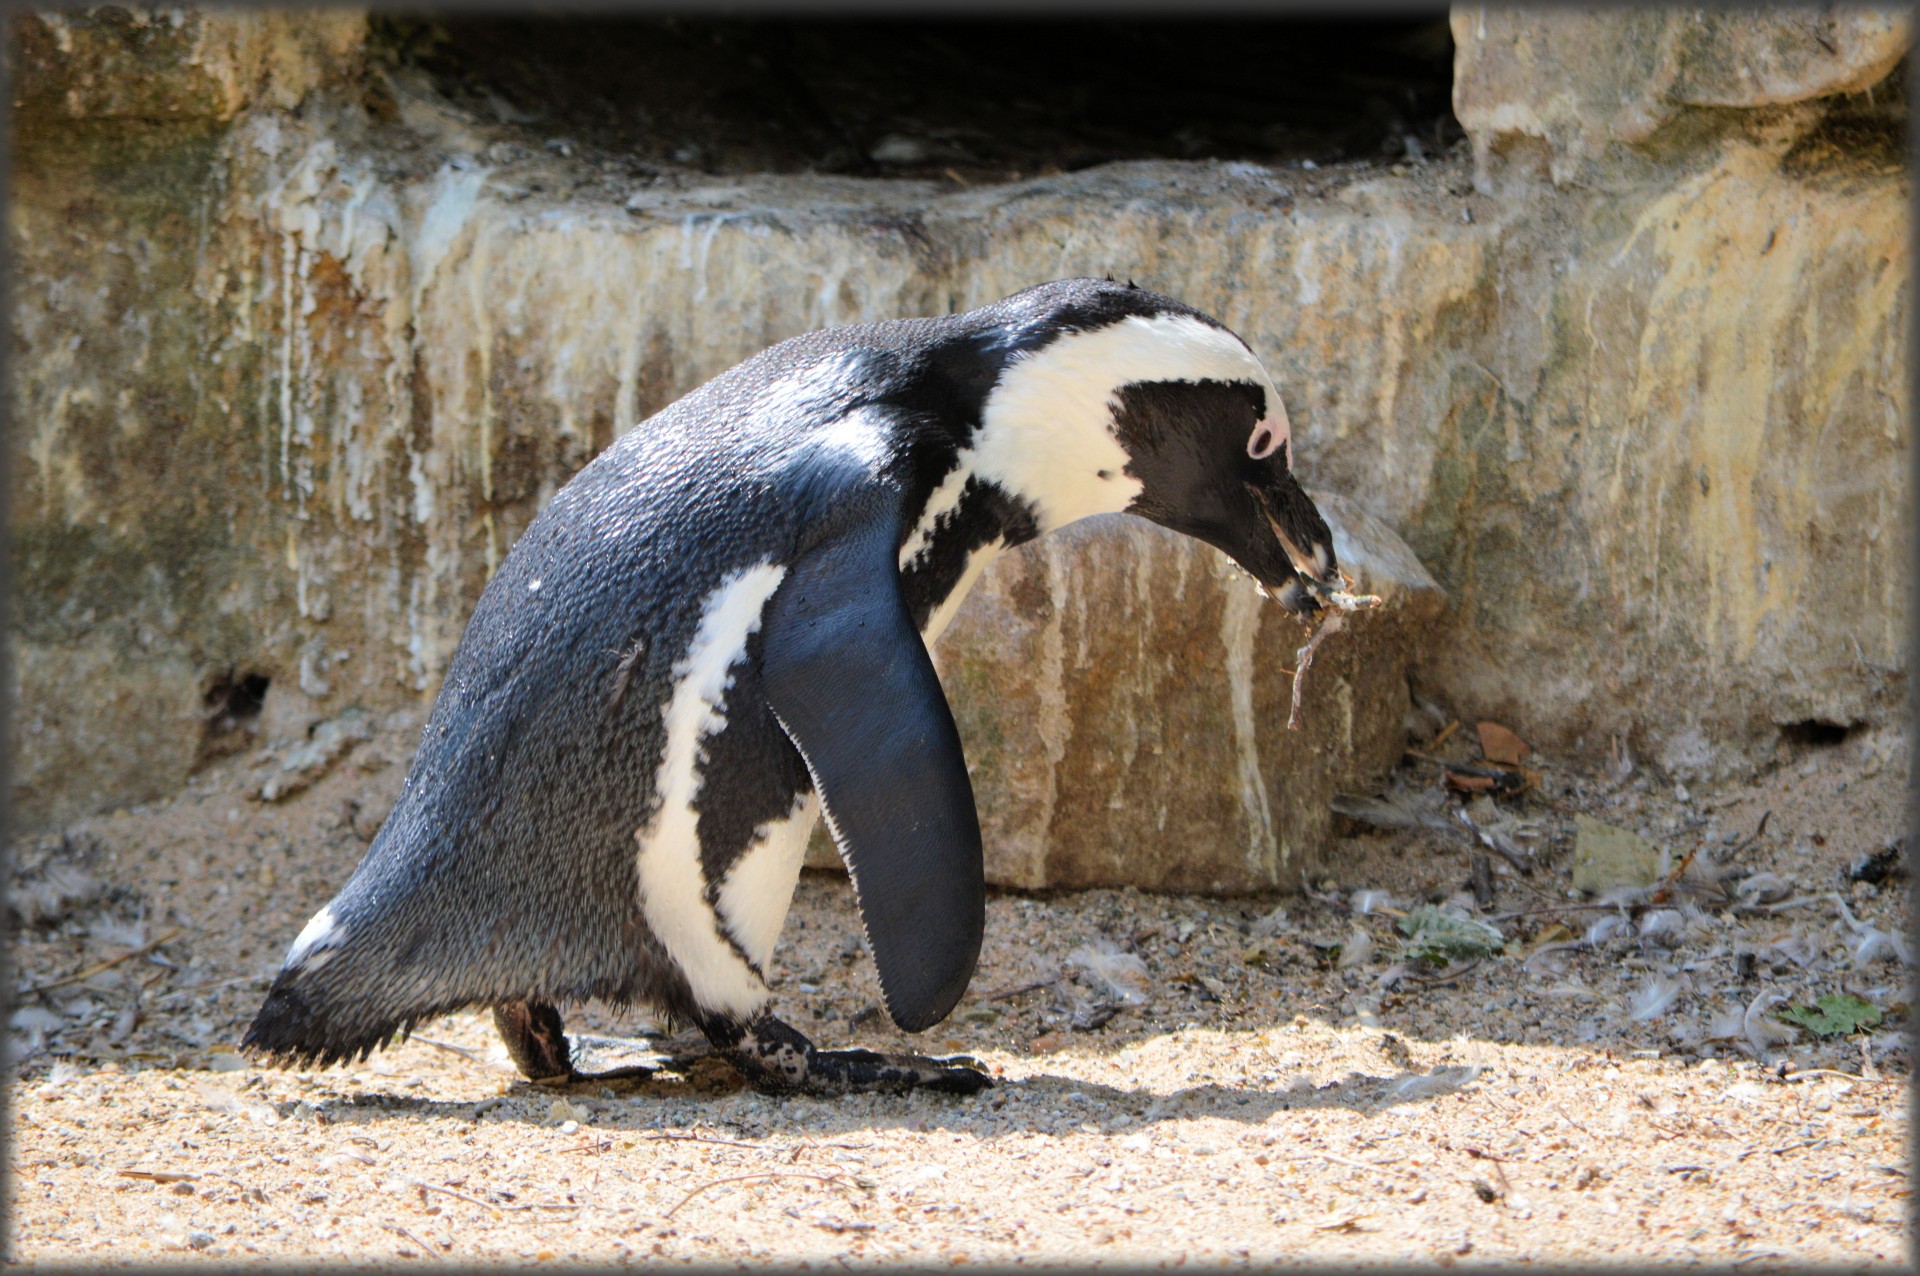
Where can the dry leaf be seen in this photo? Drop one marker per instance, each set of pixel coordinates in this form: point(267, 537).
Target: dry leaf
point(1470, 783)
point(1501, 745)
point(1553, 934)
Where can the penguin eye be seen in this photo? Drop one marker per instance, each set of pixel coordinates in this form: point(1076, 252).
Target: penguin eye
point(1263, 441)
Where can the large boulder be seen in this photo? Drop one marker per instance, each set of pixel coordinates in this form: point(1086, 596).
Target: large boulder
point(1123, 694)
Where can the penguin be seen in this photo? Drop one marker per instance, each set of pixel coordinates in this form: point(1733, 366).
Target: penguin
point(717, 632)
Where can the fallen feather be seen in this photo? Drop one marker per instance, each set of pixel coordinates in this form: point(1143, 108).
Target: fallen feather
point(1272, 924)
point(1763, 1031)
point(1653, 998)
point(1763, 888)
point(561, 1111)
point(1870, 943)
point(1535, 960)
point(1612, 926)
point(1358, 948)
point(1873, 944)
point(1664, 927)
point(221, 1099)
point(1364, 902)
point(59, 890)
point(1398, 808)
point(1122, 974)
point(1727, 1025)
point(121, 934)
point(1795, 948)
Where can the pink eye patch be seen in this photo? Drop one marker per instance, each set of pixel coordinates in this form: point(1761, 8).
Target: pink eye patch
point(1263, 441)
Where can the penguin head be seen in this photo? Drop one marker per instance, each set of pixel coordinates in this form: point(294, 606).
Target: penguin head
point(1141, 404)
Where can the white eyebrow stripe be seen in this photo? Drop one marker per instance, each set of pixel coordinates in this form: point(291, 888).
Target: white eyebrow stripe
point(1047, 428)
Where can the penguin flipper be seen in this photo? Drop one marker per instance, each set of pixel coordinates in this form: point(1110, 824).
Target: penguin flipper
point(849, 678)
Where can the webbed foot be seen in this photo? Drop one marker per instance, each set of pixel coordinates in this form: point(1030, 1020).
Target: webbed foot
point(776, 1059)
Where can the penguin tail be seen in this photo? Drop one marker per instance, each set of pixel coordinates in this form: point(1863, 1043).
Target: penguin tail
point(293, 1030)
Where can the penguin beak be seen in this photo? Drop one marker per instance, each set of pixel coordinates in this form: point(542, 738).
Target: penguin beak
point(1303, 539)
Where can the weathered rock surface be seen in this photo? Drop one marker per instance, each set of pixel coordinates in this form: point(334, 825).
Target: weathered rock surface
point(131, 63)
point(1123, 694)
point(288, 385)
point(1586, 83)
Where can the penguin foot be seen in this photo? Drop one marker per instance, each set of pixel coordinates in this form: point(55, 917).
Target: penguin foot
point(776, 1059)
point(546, 1055)
point(535, 1041)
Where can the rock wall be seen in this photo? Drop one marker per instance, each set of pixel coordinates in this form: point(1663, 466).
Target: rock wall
point(300, 349)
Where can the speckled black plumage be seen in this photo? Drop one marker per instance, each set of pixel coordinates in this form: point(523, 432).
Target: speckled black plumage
point(507, 870)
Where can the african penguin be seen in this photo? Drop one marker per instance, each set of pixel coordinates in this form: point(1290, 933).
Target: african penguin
point(718, 630)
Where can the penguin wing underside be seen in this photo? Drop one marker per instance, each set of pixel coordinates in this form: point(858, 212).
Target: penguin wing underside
point(848, 676)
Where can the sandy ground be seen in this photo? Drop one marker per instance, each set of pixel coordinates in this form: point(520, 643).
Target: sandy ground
point(1179, 1079)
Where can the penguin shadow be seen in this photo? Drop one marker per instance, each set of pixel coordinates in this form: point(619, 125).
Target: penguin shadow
point(639, 1103)
point(1250, 1105)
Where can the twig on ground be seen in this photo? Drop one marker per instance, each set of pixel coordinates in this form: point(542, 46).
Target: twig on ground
point(1789, 1147)
point(1451, 977)
point(425, 1186)
point(462, 1051)
point(1481, 1154)
point(701, 1138)
point(1498, 845)
point(108, 964)
point(1036, 986)
point(1575, 1124)
point(1325, 1156)
point(1560, 908)
point(1481, 870)
point(831, 1180)
point(160, 1176)
point(428, 1249)
point(1751, 838)
point(1804, 1073)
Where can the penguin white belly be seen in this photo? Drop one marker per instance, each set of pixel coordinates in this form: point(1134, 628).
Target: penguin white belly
point(758, 889)
point(673, 887)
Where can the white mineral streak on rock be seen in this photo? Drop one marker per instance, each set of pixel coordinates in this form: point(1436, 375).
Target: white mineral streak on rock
point(1304, 274)
point(1239, 625)
point(1143, 569)
point(1054, 723)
